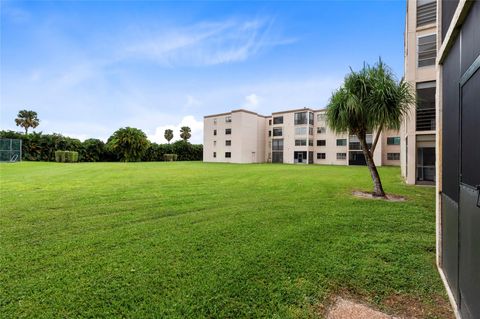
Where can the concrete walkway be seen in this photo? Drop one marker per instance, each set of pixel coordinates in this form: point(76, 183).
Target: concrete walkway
point(346, 309)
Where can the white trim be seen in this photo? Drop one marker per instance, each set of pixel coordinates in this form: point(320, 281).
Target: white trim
point(459, 16)
point(453, 302)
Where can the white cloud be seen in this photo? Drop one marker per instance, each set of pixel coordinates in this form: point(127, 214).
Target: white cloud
point(251, 101)
point(190, 121)
point(207, 43)
point(192, 102)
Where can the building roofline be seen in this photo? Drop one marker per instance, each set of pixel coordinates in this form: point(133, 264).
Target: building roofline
point(235, 111)
point(219, 114)
point(247, 111)
point(298, 110)
point(265, 116)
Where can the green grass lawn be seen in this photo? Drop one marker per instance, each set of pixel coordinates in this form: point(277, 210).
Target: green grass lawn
point(192, 240)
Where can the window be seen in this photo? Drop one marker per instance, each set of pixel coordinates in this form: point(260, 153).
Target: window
point(310, 131)
point(321, 117)
point(300, 118)
point(278, 120)
point(269, 132)
point(300, 131)
point(277, 151)
point(310, 142)
point(277, 157)
point(321, 142)
point(321, 156)
point(277, 131)
point(341, 156)
point(427, 50)
point(354, 143)
point(214, 143)
point(214, 132)
point(228, 119)
point(425, 111)
point(215, 121)
point(214, 154)
point(426, 12)
point(393, 156)
point(228, 155)
point(228, 131)
point(393, 140)
point(300, 142)
point(342, 142)
point(269, 122)
point(228, 143)
point(277, 145)
point(321, 130)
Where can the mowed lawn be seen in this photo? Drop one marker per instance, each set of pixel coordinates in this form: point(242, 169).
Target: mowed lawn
point(195, 240)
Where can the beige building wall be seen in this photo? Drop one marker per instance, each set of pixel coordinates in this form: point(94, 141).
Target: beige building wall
point(389, 148)
point(330, 149)
point(410, 137)
point(245, 143)
point(252, 135)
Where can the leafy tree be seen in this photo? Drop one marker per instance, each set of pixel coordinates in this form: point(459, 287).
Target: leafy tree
point(27, 119)
point(128, 144)
point(370, 100)
point(93, 150)
point(185, 133)
point(168, 135)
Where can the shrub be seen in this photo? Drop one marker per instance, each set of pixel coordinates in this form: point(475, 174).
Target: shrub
point(66, 156)
point(71, 156)
point(170, 157)
point(93, 150)
point(60, 156)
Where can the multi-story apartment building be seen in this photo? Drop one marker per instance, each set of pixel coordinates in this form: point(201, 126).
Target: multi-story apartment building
point(293, 136)
point(418, 129)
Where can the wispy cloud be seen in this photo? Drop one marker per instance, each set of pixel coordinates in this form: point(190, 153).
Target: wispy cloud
point(206, 43)
point(251, 101)
point(13, 13)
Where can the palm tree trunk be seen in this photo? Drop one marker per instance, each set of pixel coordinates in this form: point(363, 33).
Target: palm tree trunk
point(26, 130)
point(377, 183)
point(376, 139)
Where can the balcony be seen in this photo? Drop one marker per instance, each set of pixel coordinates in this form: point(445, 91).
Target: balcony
point(425, 119)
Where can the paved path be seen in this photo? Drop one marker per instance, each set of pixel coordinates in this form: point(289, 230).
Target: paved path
point(346, 309)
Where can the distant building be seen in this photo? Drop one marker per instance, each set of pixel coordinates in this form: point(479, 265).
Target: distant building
point(418, 129)
point(299, 136)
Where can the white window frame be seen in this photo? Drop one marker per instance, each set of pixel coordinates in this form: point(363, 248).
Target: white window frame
point(418, 52)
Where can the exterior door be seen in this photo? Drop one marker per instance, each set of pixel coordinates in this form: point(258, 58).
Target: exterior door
point(469, 205)
point(460, 136)
point(300, 157)
point(426, 164)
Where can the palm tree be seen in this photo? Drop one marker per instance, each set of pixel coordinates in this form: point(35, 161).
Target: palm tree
point(370, 100)
point(168, 135)
point(27, 119)
point(185, 133)
point(128, 144)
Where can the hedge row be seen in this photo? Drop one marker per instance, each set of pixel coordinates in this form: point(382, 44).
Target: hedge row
point(66, 156)
point(42, 147)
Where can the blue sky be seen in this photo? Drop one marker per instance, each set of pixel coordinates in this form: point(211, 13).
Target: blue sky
point(91, 67)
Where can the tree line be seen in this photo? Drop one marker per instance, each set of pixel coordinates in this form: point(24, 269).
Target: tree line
point(126, 144)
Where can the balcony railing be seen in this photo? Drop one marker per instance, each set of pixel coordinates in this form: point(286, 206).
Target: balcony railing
point(426, 119)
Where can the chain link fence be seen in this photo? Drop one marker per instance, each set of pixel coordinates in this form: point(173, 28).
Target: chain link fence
point(10, 150)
